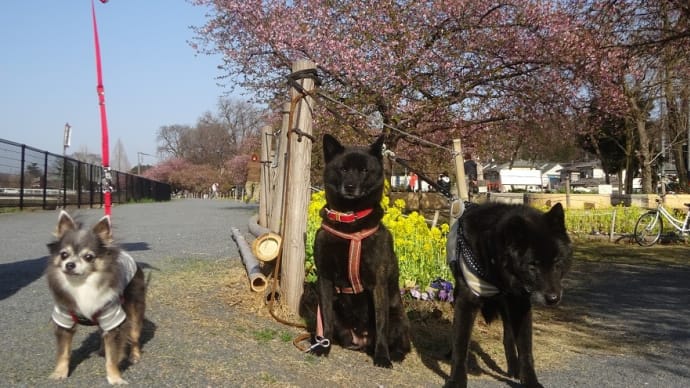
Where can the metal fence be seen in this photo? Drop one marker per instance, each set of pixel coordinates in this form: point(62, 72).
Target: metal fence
point(33, 178)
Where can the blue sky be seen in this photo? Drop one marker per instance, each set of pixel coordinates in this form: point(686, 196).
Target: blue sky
point(152, 77)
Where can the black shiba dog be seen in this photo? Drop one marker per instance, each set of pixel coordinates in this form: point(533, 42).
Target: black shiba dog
point(357, 269)
point(502, 256)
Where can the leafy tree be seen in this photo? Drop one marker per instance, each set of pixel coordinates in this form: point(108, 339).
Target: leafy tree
point(488, 73)
point(636, 41)
point(237, 169)
point(501, 76)
point(216, 138)
point(34, 173)
point(183, 175)
point(164, 171)
point(612, 143)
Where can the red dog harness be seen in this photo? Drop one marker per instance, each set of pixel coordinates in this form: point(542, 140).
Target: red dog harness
point(354, 257)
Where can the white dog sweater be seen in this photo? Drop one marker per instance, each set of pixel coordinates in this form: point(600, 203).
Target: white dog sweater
point(111, 315)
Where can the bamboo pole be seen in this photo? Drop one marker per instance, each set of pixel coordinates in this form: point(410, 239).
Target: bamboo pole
point(275, 221)
point(297, 190)
point(460, 179)
point(266, 244)
point(264, 181)
point(257, 280)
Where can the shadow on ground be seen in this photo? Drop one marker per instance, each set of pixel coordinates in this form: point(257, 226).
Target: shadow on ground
point(634, 297)
point(431, 325)
point(17, 275)
point(92, 345)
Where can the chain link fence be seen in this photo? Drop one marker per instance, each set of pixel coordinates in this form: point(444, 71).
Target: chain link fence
point(31, 178)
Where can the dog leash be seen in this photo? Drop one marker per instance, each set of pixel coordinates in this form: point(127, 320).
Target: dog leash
point(105, 153)
point(354, 259)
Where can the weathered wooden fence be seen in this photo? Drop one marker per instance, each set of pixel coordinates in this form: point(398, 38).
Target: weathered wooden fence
point(286, 181)
point(285, 186)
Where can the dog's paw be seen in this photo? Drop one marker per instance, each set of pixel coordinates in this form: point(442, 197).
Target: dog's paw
point(529, 379)
point(383, 362)
point(116, 380)
point(320, 351)
point(59, 374)
point(533, 384)
point(134, 356)
point(320, 346)
point(455, 384)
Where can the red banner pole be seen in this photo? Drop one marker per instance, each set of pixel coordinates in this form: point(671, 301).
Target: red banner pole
point(107, 178)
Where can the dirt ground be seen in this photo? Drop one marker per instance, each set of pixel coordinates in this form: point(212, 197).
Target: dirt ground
point(563, 332)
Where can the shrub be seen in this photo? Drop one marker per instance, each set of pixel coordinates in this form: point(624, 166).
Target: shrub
point(421, 250)
point(578, 221)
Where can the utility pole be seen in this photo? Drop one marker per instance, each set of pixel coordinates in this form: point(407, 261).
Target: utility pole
point(66, 139)
point(140, 160)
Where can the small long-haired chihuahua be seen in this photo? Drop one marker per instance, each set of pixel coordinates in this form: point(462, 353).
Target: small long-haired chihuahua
point(94, 282)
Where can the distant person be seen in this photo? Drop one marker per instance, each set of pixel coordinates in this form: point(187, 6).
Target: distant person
point(412, 183)
point(471, 174)
point(443, 183)
point(214, 190)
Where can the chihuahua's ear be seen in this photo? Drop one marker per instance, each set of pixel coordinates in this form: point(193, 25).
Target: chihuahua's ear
point(104, 229)
point(65, 224)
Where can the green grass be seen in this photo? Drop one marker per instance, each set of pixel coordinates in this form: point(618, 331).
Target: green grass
point(264, 335)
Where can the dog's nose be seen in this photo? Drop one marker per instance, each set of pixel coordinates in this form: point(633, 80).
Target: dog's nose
point(70, 266)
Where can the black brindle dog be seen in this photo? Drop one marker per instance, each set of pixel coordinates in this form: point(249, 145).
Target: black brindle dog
point(502, 256)
point(357, 269)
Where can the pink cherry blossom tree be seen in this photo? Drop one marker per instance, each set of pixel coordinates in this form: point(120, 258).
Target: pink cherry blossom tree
point(509, 78)
point(488, 73)
point(648, 80)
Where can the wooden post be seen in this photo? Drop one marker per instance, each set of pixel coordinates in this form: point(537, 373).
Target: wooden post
point(265, 181)
point(567, 190)
point(275, 222)
point(298, 183)
point(460, 180)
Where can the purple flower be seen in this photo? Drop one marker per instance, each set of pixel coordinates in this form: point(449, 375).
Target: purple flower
point(415, 293)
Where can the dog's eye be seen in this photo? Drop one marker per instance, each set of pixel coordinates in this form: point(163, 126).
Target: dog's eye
point(64, 255)
point(89, 257)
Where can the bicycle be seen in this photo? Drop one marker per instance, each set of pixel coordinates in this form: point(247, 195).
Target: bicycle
point(650, 225)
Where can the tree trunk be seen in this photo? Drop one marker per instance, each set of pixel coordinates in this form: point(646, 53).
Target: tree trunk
point(644, 154)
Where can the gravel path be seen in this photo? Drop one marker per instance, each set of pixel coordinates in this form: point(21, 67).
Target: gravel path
point(187, 237)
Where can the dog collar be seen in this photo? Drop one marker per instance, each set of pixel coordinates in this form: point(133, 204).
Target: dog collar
point(476, 276)
point(348, 217)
